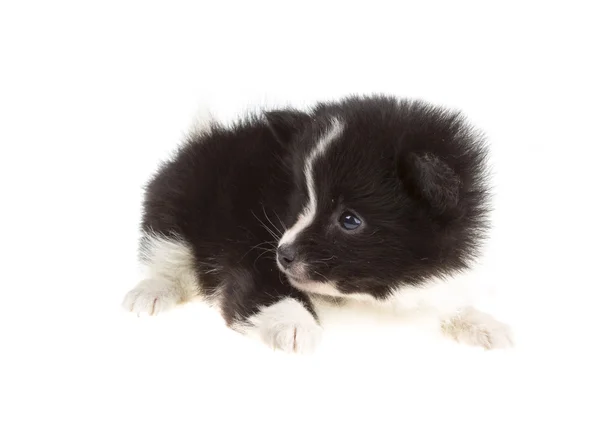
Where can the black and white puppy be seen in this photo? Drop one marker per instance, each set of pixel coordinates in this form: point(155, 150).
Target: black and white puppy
point(368, 197)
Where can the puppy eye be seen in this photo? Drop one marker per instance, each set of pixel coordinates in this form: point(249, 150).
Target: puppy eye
point(349, 221)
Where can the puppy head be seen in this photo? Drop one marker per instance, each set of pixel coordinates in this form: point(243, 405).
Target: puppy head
point(387, 193)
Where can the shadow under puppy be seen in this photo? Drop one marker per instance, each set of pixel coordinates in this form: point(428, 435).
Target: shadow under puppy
point(367, 197)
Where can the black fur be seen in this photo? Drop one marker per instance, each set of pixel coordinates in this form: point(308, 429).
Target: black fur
point(414, 173)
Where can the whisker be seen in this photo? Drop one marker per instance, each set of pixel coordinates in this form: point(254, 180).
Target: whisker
point(275, 236)
point(320, 274)
point(266, 250)
point(323, 261)
point(269, 220)
point(259, 246)
point(277, 215)
point(261, 255)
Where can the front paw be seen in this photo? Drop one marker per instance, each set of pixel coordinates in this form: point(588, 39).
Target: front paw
point(475, 328)
point(288, 326)
point(151, 296)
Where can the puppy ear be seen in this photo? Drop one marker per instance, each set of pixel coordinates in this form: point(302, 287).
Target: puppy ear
point(426, 176)
point(285, 124)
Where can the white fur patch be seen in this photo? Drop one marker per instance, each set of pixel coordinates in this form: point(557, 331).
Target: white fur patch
point(287, 326)
point(476, 328)
point(438, 296)
point(310, 210)
point(328, 289)
point(170, 276)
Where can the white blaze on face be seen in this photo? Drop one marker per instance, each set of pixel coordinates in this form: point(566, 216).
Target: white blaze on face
point(310, 210)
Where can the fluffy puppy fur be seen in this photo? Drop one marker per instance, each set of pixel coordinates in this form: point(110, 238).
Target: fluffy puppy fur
point(365, 197)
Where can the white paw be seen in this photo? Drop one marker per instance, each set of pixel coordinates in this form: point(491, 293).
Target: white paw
point(152, 296)
point(476, 328)
point(288, 326)
point(293, 337)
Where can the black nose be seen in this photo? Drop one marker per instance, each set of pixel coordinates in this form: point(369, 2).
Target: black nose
point(286, 255)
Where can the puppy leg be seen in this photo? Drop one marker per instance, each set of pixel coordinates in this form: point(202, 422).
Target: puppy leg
point(287, 325)
point(170, 280)
point(279, 315)
point(476, 328)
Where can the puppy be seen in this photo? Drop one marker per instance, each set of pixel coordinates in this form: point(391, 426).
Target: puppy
point(366, 197)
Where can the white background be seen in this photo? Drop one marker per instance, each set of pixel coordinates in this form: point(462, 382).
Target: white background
point(94, 94)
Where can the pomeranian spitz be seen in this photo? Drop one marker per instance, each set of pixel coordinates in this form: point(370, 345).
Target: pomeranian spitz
point(368, 197)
